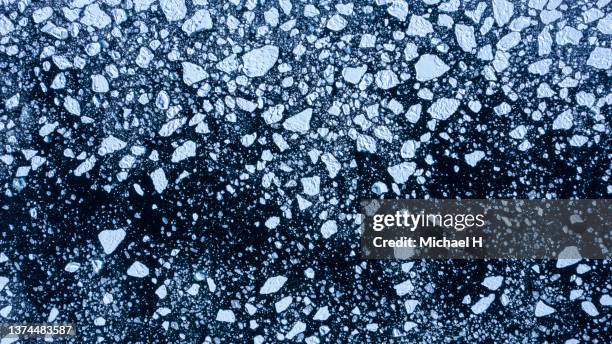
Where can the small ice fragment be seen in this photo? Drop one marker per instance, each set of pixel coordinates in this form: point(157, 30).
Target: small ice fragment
point(273, 284)
point(258, 62)
point(110, 239)
point(542, 309)
point(138, 270)
point(159, 180)
point(483, 304)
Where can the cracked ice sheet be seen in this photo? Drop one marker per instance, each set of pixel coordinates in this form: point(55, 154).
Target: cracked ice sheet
point(184, 164)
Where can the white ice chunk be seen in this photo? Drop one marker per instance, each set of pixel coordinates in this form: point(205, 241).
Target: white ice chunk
point(173, 9)
point(403, 288)
point(502, 11)
point(72, 106)
point(110, 145)
point(568, 35)
point(184, 151)
point(138, 270)
point(258, 62)
point(564, 121)
point(493, 282)
point(159, 180)
point(600, 58)
point(299, 123)
point(589, 308)
point(329, 228)
point(398, 9)
point(322, 314)
point(311, 185)
point(473, 158)
point(200, 20)
point(353, 74)
point(386, 79)
point(336, 23)
point(110, 239)
point(85, 166)
point(331, 163)
point(94, 16)
point(419, 26)
point(430, 67)
point(273, 284)
point(443, 108)
point(402, 171)
point(542, 309)
point(226, 315)
point(568, 257)
point(283, 304)
point(465, 37)
point(192, 73)
point(483, 304)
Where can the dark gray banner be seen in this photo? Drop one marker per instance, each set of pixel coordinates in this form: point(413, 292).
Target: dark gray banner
point(479, 229)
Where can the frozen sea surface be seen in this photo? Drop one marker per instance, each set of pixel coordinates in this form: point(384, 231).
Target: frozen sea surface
point(190, 171)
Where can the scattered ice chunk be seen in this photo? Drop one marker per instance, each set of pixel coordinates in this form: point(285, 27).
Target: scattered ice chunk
point(171, 126)
point(354, 74)
point(430, 67)
point(283, 304)
point(483, 304)
point(568, 257)
point(322, 314)
point(72, 106)
point(568, 35)
point(465, 37)
point(85, 166)
point(473, 158)
point(42, 14)
point(192, 73)
point(600, 58)
point(273, 284)
point(299, 123)
point(6, 26)
point(258, 62)
point(402, 171)
point(443, 108)
point(509, 41)
point(226, 315)
point(297, 328)
point(329, 228)
point(311, 185)
point(110, 239)
point(3, 282)
point(386, 79)
point(589, 308)
point(411, 306)
point(403, 288)
point(138, 270)
point(565, 120)
point(184, 151)
point(200, 20)
point(173, 9)
point(159, 180)
point(542, 309)
point(144, 57)
point(398, 9)
point(419, 26)
point(502, 11)
point(332, 165)
point(272, 222)
point(493, 282)
point(336, 23)
point(110, 145)
point(94, 16)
